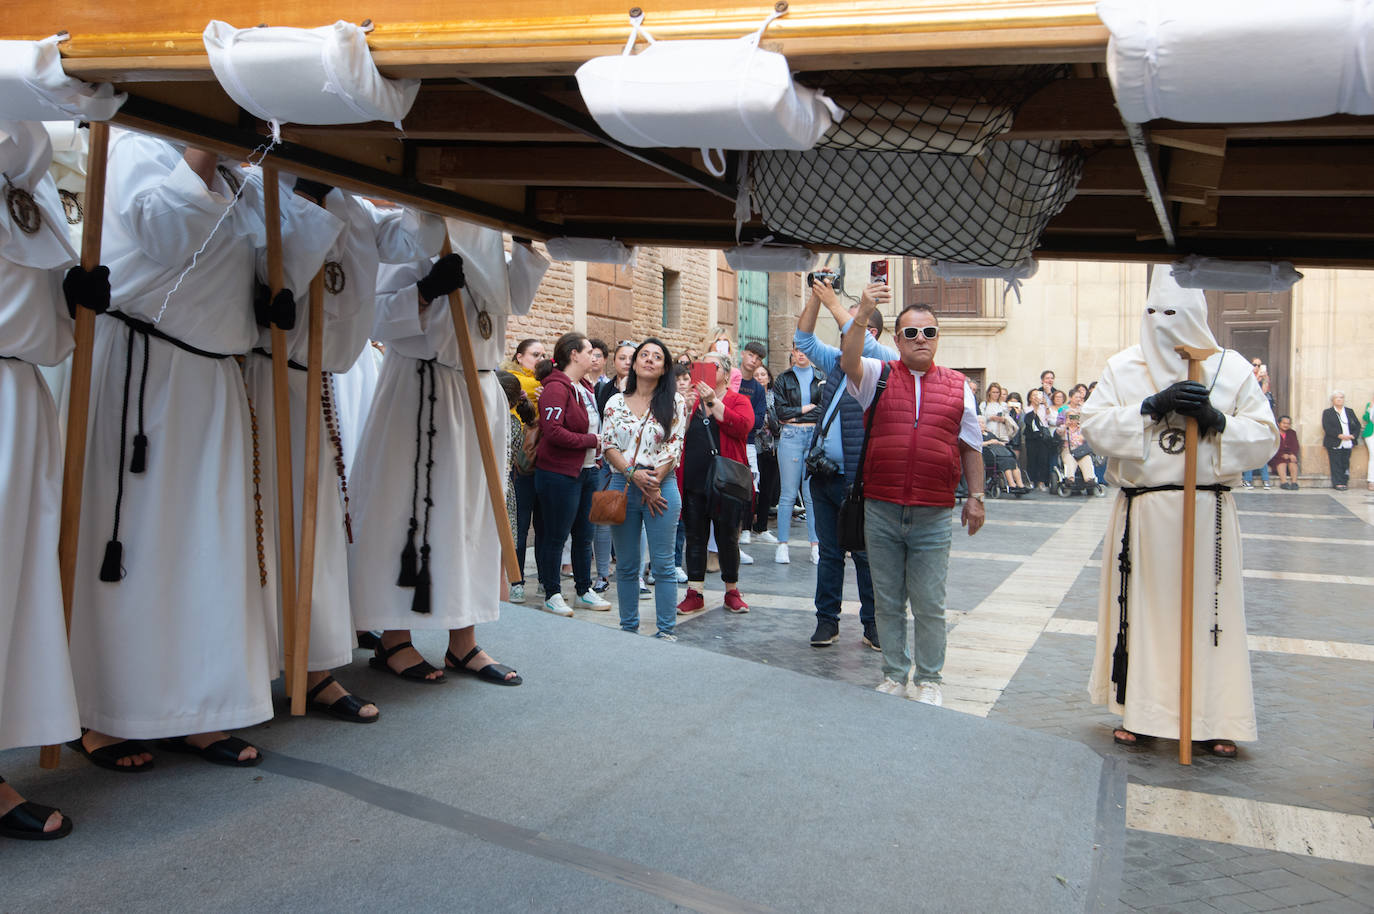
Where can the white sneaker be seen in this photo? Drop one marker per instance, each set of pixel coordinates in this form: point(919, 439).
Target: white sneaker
point(890, 687)
point(815, 553)
point(591, 600)
point(643, 590)
point(557, 605)
point(767, 538)
point(781, 556)
point(517, 593)
point(745, 558)
point(744, 537)
point(681, 574)
point(927, 693)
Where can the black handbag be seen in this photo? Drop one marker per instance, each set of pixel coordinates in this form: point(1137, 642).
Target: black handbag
point(729, 483)
point(851, 518)
point(1083, 450)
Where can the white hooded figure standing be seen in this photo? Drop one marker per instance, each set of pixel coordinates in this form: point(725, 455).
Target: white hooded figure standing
point(1129, 418)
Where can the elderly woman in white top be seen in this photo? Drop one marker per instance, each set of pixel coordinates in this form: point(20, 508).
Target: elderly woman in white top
point(642, 431)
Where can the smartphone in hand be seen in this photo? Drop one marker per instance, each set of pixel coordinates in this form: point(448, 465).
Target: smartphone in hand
point(877, 271)
point(704, 372)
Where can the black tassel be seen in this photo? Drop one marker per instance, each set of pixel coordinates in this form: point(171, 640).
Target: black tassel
point(409, 561)
point(1119, 661)
point(112, 569)
point(139, 462)
point(420, 602)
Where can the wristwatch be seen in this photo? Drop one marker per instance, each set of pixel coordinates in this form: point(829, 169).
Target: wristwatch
point(977, 495)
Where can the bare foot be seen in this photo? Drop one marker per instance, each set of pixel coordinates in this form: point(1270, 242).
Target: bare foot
point(10, 798)
point(94, 740)
point(201, 740)
point(333, 692)
point(405, 659)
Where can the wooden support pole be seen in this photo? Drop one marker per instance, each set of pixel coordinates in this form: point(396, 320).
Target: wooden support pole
point(79, 390)
point(310, 496)
point(496, 488)
point(281, 424)
point(1195, 358)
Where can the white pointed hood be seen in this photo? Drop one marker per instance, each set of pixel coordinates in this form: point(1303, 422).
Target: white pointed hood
point(1173, 316)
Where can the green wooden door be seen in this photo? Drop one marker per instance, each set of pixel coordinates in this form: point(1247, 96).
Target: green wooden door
point(753, 308)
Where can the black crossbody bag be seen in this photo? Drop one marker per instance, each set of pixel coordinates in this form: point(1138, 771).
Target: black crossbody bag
point(851, 519)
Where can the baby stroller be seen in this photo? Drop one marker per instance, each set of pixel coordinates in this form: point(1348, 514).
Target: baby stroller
point(1077, 485)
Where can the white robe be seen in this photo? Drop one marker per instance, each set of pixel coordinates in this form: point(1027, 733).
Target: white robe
point(1223, 703)
point(180, 644)
point(368, 235)
point(466, 552)
point(353, 393)
point(37, 702)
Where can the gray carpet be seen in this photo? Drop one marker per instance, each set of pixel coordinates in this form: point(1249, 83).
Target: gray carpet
point(625, 775)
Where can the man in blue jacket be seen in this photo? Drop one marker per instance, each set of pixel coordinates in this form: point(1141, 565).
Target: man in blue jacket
point(841, 431)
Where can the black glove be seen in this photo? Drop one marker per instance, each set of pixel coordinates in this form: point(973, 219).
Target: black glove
point(313, 189)
point(445, 276)
point(87, 289)
point(1209, 419)
point(284, 309)
point(1184, 397)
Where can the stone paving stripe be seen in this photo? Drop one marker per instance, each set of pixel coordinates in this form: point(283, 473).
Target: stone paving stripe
point(1342, 650)
point(523, 840)
point(1300, 576)
point(1251, 823)
point(1030, 595)
point(1286, 516)
point(1307, 539)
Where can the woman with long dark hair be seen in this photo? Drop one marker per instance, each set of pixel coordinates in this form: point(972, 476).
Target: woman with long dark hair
point(641, 437)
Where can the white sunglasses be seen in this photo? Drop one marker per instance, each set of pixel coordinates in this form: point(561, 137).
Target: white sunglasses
point(912, 333)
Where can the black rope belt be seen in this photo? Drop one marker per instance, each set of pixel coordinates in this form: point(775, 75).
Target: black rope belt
point(415, 565)
point(1119, 653)
point(112, 567)
point(290, 363)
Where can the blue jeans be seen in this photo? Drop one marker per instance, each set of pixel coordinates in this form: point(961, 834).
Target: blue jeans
point(680, 543)
point(601, 534)
point(660, 531)
point(526, 507)
point(1249, 475)
point(565, 503)
point(793, 444)
point(826, 498)
point(908, 553)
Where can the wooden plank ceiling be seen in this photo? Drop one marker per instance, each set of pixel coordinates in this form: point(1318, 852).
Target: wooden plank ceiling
point(499, 133)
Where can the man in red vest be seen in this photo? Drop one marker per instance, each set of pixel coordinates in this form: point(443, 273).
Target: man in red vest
point(923, 434)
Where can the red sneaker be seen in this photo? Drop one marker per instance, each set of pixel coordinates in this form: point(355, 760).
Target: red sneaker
point(734, 602)
point(692, 603)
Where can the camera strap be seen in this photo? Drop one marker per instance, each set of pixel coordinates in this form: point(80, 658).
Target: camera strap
point(823, 430)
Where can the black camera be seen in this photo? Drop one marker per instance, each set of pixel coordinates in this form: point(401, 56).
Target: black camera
point(819, 466)
point(831, 275)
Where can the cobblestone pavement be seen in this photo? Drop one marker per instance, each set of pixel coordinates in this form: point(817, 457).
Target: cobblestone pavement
point(1285, 827)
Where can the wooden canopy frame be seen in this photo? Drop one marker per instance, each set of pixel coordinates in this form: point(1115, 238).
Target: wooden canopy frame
point(499, 134)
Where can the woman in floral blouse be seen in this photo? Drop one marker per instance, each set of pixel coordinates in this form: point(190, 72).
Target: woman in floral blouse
point(641, 437)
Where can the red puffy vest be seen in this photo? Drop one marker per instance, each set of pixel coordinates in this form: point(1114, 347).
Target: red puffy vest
point(916, 464)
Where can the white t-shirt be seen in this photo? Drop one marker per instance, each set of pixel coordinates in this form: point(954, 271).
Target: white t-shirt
point(593, 423)
point(867, 386)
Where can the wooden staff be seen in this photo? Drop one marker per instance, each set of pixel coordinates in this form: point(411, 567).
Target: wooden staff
point(314, 376)
point(1195, 358)
point(79, 390)
point(281, 423)
point(495, 486)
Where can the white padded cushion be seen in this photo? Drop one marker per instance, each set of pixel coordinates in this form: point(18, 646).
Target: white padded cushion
point(1223, 61)
point(306, 76)
point(770, 258)
point(591, 250)
point(1194, 272)
point(34, 87)
point(705, 94)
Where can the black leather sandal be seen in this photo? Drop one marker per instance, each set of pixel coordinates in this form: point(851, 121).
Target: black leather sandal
point(1221, 748)
point(369, 641)
point(108, 756)
point(1133, 740)
point(349, 707)
point(25, 822)
point(492, 672)
point(221, 752)
point(416, 673)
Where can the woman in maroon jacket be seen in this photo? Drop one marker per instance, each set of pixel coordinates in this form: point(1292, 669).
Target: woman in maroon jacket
point(1285, 459)
point(563, 474)
point(724, 418)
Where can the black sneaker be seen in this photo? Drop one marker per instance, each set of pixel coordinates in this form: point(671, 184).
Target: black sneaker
point(827, 633)
point(871, 636)
point(601, 586)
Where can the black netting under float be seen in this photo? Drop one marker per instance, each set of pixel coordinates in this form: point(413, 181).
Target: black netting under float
point(915, 168)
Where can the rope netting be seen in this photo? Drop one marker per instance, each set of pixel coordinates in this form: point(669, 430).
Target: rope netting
point(916, 170)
